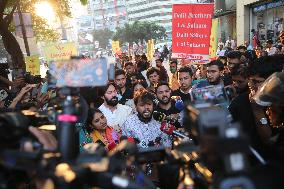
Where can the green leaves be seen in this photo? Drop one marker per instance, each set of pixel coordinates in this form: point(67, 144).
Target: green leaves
point(102, 36)
point(139, 31)
point(42, 30)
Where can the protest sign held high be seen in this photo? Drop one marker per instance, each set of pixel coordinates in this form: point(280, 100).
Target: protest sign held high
point(191, 28)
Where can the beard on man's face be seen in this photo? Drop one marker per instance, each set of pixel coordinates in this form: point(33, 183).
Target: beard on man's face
point(145, 116)
point(112, 102)
point(165, 100)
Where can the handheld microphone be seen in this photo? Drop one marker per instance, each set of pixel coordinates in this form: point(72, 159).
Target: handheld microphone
point(159, 116)
point(111, 146)
point(169, 129)
point(178, 102)
point(129, 139)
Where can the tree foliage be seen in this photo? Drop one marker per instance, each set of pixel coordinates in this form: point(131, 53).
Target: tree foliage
point(103, 36)
point(139, 31)
point(42, 30)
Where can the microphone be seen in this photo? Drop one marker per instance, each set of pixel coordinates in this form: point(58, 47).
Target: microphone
point(111, 146)
point(169, 129)
point(129, 139)
point(159, 116)
point(178, 102)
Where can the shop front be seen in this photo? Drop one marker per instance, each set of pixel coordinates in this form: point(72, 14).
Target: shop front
point(267, 19)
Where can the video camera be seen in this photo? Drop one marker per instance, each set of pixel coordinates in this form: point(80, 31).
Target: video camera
point(222, 146)
point(30, 79)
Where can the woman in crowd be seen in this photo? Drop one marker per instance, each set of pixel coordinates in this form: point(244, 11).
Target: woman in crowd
point(97, 131)
point(139, 85)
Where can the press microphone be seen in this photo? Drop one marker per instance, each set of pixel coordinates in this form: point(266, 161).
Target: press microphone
point(169, 129)
point(178, 102)
point(129, 139)
point(111, 146)
point(159, 116)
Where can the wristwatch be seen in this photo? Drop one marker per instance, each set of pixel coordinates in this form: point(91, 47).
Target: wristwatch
point(263, 121)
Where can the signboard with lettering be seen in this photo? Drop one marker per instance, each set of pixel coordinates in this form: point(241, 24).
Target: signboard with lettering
point(79, 73)
point(60, 51)
point(33, 65)
point(191, 28)
point(115, 46)
point(150, 49)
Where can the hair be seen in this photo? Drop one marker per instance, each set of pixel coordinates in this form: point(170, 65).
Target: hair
point(90, 117)
point(128, 64)
point(144, 96)
point(144, 57)
point(119, 72)
point(242, 47)
point(186, 69)
point(141, 66)
point(222, 57)
point(159, 59)
point(216, 63)
point(261, 47)
point(242, 71)
point(151, 71)
point(102, 90)
point(141, 82)
point(234, 54)
point(160, 84)
point(264, 67)
point(173, 62)
point(269, 41)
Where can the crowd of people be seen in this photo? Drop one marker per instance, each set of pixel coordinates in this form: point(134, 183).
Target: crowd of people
point(125, 106)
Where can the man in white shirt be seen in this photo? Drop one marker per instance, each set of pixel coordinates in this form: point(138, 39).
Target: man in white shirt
point(269, 48)
point(115, 113)
point(142, 126)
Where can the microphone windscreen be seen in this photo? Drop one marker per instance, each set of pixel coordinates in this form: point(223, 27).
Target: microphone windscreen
point(159, 116)
point(131, 139)
point(111, 146)
point(179, 105)
point(167, 128)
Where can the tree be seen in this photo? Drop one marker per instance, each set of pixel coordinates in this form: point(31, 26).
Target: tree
point(103, 36)
point(41, 28)
point(139, 31)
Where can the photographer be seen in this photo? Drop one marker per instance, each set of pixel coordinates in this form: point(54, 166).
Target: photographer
point(270, 96)
point(30, 94)
point(245, 110)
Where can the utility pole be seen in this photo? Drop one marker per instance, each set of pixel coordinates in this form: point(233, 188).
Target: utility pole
point(23, 30)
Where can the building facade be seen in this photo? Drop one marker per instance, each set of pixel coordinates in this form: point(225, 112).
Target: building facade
point(265, 17)
point(225, 12)
point(109, 14)
point(156, 11)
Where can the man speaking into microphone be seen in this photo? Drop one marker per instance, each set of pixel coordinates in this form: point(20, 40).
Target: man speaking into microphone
point(142, 126)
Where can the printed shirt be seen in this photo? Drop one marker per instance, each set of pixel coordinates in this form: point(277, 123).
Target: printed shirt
point(116, 118)
point(148, 134)
point(174, 84)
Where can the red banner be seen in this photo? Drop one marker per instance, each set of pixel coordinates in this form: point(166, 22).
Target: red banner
point(191, 28)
